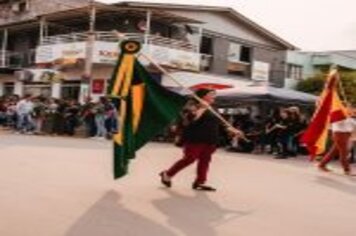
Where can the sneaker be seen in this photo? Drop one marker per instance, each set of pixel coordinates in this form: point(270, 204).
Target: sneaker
point(202, 187)
point(165, 180)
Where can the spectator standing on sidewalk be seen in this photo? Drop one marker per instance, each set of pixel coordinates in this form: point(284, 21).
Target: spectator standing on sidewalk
point(24, 110)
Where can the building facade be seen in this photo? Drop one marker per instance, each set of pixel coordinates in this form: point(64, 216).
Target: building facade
point(303, 65)
point(68, 48)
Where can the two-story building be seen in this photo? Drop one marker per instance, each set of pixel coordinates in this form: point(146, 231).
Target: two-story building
point(66, 48)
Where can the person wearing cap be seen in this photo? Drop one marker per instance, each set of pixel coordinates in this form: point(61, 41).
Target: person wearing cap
point(200, 134)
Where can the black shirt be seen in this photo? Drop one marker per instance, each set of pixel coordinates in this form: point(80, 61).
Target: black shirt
point(204, 130)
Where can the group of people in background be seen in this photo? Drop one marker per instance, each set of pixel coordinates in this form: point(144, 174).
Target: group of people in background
point(276, 134)
point(40, 115)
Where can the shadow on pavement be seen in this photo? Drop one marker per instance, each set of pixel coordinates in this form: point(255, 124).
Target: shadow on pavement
point(107, 217)
point(338, 185)
point(195, 215)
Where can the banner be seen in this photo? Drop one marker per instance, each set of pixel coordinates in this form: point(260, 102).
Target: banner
point(107, 53)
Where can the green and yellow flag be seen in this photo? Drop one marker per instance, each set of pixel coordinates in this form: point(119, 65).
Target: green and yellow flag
point(145, 108)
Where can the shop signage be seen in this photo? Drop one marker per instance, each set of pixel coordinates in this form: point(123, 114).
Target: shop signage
point(107, 53)
point(174, 58)
point(61, 53)
point(39, 75)
point(98, 86)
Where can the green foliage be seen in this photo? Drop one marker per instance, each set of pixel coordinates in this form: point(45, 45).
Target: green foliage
point(315, 84)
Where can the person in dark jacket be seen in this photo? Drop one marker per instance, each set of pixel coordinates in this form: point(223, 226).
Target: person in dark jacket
point(199, 138)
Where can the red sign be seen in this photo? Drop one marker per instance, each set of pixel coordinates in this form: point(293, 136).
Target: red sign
point(98, 86)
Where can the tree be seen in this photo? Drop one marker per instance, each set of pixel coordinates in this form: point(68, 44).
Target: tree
point(315, 84)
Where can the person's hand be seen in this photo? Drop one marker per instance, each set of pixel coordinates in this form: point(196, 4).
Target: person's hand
point(235, 132)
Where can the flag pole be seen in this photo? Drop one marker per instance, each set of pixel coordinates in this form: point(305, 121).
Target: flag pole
point(165, 72)
point(340, 84)
point(231, 128)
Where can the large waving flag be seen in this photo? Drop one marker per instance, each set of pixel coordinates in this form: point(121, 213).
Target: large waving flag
point(329, 109)
point(145, 108)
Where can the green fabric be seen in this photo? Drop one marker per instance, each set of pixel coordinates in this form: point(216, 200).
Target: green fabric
point(161, 107)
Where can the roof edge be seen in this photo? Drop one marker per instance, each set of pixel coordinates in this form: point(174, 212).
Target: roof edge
point(229, 10)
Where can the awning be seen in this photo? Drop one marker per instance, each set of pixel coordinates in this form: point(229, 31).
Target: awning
point(264, 93)
point(191, 80)
point(241, 89)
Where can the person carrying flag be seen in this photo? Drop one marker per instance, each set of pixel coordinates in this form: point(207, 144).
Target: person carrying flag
point(330, 112)
point(200, 136)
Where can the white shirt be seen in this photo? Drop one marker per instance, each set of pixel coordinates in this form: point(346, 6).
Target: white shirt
point(24, 107)
point(348, 125)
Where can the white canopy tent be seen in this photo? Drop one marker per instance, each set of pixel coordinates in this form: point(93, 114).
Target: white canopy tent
point(239, 89)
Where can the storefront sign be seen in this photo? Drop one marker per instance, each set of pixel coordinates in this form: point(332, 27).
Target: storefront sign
point(260, 71)
point(61, 53)
point(107, 53)
point(39, 75)
point(98, 86)
point(174, 58)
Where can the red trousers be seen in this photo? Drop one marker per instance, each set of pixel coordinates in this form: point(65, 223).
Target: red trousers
point(340, 148)
point(192, 152)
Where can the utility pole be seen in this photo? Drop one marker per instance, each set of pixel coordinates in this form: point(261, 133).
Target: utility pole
point(4, 47)
point(88, 69)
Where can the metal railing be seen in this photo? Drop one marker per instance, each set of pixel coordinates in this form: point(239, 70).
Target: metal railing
point(109, 36)
point(10, 59)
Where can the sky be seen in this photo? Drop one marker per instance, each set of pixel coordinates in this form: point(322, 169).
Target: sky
point(312, 25)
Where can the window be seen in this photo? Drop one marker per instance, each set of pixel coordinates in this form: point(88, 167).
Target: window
point(239, 58)
point(206, 46)
point(70, 90)
point(9, 88)
point(294, 71)
point(38, 89)
point(245, 54)
point(206, 49)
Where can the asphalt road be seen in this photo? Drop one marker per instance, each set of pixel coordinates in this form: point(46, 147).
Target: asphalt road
point(53, 186)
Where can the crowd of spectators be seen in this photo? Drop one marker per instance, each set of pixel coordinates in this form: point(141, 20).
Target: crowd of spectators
point(49, 116)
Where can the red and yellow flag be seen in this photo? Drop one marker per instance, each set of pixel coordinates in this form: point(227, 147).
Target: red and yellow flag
point(329, 109)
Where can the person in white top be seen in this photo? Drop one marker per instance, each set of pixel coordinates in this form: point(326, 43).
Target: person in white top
point(24, 108)
point(341, 136)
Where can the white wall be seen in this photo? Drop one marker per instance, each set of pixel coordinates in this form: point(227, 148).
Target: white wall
point(223, 24)
point(19, 88)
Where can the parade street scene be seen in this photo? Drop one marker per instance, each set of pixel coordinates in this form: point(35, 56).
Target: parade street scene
point(177, 118)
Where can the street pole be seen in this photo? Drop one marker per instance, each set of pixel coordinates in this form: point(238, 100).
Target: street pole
point(4, 47)
point(148, 27)
point(42, 29)
point(88, 69)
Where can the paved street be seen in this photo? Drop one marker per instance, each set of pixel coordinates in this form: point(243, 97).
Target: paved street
point(53, 186)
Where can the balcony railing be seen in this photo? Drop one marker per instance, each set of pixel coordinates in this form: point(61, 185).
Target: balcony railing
point(108, 36)
point(16, 60)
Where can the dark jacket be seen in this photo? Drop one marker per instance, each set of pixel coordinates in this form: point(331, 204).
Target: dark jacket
point(204, 130)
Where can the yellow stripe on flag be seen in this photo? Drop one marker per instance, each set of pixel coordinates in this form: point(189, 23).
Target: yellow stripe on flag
point(129, 61)
point(138, 97)
point(123, 73)
point(118, 138)
point(125, 77)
